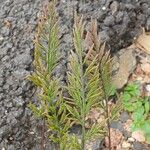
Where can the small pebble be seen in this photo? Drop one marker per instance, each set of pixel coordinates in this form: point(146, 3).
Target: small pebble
point(139, 136)
point(114, 6)
point(11, 138)
point(146, 67)
point(124, 117)
point(139, 146)
point(148, 24)
point(103, 8)
point(131, 139)
point(148, 87)
point(32, 133)
point(1, 38)
point(126, 144)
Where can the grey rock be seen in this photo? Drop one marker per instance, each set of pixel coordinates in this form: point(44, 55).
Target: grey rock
point(11, 119)
point(95, 144)
point(117, 125)
point(129, 6)
point(11, 147)
point(18, 101)
point(139, 146)
point(3, 51)
point(104, 36)
point(9, 45)
point(20, 73)
point(4, 131)
point(124, 117)
point(5, 31)
point(114, 6)
point(109, 21)
point(23, 59)
point(1, 39)
point(147, 26)
point(127, 64)
point(119, 17)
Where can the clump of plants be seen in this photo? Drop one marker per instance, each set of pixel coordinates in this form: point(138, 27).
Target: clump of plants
point(139, 106)
point(46, 57)
point(88, 82)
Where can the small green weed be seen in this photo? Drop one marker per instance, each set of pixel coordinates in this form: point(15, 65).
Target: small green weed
point(139, 107)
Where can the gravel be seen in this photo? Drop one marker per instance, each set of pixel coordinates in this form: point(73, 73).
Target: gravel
point(118, 21)
point(17, 23)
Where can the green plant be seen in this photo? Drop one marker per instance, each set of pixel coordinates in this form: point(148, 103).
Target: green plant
point(104, 62)
point(83, 86)
point(89, 82)
point(139, 107)
point(52, 108)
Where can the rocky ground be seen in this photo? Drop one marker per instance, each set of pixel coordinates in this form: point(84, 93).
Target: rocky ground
point(119, 23)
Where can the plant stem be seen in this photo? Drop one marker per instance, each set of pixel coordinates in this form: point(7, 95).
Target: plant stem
point(83, 100)
point(83, 136)
point(108, 124)
point(43, 136)
point(107, 109)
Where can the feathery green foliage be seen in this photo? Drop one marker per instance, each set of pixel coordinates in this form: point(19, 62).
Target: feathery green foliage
point(104, 63)
point(52, 107)
point(89, 81)
point(83, 85)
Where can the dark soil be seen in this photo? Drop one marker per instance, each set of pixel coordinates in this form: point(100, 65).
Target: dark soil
point(119, 23)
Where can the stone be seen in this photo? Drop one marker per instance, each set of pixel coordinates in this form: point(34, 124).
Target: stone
point(127, 64)
point(131, 139)
point(114, 6)
point(1, 39)
point(104, 8)
point(109, 21)
point(138, 135)
point(147, 87)
point(124, 117)
point(11, 147)
point(94, 144)
point(145, 67)
point(117, 125)
point(138, 146)
point(147, 26)
point(104, 36)
point(119, 16)
point(23, 59)
point(125, 144)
